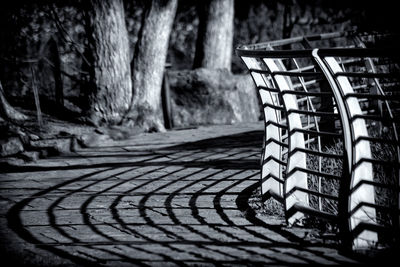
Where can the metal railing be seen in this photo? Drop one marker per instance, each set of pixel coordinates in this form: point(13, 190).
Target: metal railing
point(331, 145)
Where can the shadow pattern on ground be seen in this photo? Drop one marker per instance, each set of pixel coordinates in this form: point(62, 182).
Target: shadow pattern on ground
point(182, 205)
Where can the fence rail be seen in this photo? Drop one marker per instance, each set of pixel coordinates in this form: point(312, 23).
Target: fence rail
point(331, 146)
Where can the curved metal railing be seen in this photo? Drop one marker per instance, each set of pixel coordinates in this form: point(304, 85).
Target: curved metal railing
point(329, 114)
point(371, 137)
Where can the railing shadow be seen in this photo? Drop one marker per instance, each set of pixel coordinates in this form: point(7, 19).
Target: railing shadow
point(181, 205)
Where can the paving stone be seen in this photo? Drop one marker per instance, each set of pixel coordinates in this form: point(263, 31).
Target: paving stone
point(151, 200)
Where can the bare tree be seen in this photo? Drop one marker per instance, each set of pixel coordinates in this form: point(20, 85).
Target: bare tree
point(215, 34)
point(110, 86)
point(149, 62)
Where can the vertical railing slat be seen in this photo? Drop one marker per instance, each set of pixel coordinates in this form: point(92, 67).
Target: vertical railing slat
point(270, 168)
point(360, 171)
point(294, 179)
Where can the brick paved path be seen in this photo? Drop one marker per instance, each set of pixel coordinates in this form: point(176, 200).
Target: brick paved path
point(151, 201)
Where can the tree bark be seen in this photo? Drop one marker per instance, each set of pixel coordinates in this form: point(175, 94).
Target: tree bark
point(215, 34)
point(110, 86)
point(149, 63)
point(7, 112)
point(58, 82)
point(288, 24)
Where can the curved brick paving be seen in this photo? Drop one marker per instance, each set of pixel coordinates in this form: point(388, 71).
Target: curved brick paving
point(152, 201)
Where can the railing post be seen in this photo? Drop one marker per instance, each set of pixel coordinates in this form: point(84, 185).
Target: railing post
point(361, 198)
point(296, 159)
point(271, 171)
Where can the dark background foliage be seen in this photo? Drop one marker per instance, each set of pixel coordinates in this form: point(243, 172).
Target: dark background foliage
point(32, 30)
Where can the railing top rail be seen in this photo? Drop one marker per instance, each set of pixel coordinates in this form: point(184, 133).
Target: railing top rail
point(282, 42)
point(358, 52)
point(244, 51)
point(324, 52)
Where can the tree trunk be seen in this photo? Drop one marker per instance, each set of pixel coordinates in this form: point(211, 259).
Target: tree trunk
point(110, 86)
point(215, 34)
point(288, 24)
point(149, 63)
point(7, 112)
point(58, 82)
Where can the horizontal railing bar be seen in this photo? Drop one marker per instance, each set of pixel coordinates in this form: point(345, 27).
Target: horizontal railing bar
point(376, 206)
point(324, 36)
point(315, 132)
point(316, 173)
point(390, 84)
point(347, 46)
point(281, 108)
point(281, 54)
point(379, 229)
point(313, 113)
point(348, 61)
point(309, 141)
point(274, 53)
point(376, 161)
point(373, 96)
point(306, 83)
point(274, 159)
point(288, 73)
point(271, 176)
point(357, 52)
point(306, 68)
point(272, 140)
point(312, 192)
point(360, 86)
point(310, 211)
point(314, 152)
point(271, 193)
point(375, 184)
point(366, 74)
point(299, 74)
point(309, 126)
point(269, 89)
point(303, 93)
point(362, 226)
point(283, 126)
point(372, 117)
point(260, 71)
point(306, 98)
point(377, 140)
point(293, 40)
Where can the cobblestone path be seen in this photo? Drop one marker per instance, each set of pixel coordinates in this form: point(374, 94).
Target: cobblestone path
point(151, 201)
